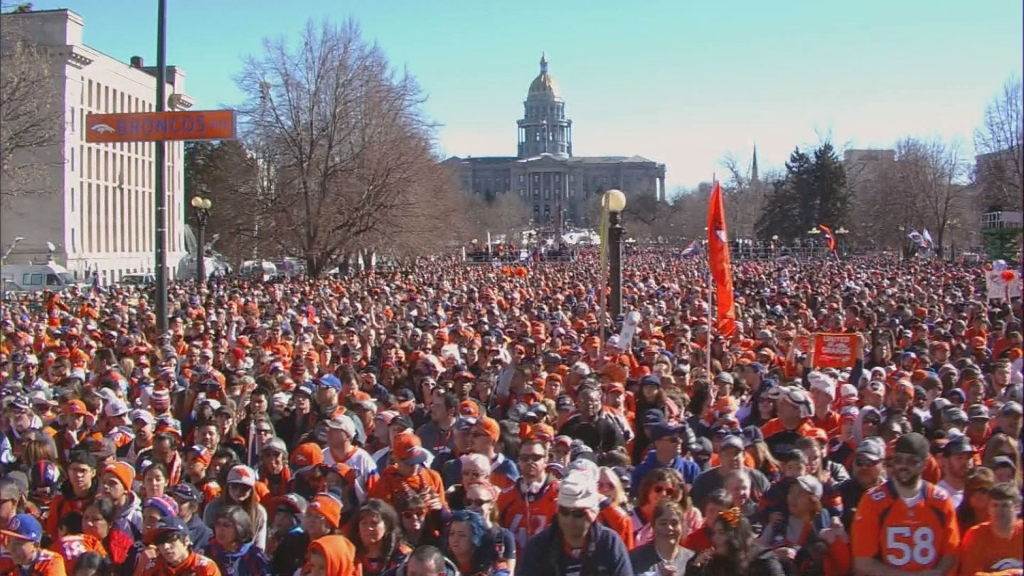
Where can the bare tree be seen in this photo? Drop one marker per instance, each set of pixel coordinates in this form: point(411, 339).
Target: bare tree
point(998, 143)
point(352, 154)
point(925, 188)
point(744, 198)
point(31, 115)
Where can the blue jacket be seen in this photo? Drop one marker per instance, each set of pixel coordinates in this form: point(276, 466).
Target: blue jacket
point(689, 469)
point(545, 555)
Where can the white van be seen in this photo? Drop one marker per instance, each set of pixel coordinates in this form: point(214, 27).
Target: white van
point(36, 277)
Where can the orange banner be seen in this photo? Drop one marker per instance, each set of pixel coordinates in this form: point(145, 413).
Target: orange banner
point(835, 350)
point(720, 264)
point(160, 126)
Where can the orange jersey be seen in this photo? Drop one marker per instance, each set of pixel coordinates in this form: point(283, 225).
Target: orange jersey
point(71, 546)
point(982, 552)
point(391, 484)
point(526, 516)
point(617, 519)
point(908, 537)
point(48, 563)
point(194, 565)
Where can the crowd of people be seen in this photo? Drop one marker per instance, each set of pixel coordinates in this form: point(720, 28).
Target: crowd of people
point(447, 418)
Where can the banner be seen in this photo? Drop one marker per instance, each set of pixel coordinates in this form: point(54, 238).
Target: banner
point(835, 350)
point(997, 288)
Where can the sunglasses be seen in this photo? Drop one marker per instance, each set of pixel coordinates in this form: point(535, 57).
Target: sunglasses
point(866, 462)
point(476, 502)
point(414, 514)
point(531, 457)
point(264, 431)
point(666, 490)
point(572, 513)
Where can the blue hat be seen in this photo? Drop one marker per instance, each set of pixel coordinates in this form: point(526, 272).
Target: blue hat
point(330, 381)
point(756, 367)
point(653, 417)
point(666, 430)
point(166, 525)
point(24, 527)
point(752, 435)
point(305, 388)
point(650, 380)
point(564, 403)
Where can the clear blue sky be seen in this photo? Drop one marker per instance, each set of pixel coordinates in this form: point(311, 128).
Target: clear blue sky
point(679, 81)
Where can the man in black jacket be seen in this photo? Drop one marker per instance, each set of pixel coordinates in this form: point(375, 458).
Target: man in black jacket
point(575, 544)
point(867, 472)
point(600, 434)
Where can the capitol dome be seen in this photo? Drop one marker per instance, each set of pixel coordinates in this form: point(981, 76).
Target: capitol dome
point(544, 86)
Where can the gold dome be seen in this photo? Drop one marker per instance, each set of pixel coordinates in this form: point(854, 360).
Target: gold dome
point(544, 84)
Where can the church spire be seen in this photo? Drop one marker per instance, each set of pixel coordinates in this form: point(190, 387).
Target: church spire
point(753, 168)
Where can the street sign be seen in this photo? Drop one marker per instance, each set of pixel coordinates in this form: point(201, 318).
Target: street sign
point(160, 126)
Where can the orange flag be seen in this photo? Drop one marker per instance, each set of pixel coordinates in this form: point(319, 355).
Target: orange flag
point(830, 238)
point(718, 260)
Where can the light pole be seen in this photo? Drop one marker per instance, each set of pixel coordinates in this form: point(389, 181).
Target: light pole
point(159, 182)
point(3, 258)
point(201, 207)
point(615, 201)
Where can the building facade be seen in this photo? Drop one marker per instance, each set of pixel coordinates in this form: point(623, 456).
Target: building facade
point(544, 174)
point(99, 211)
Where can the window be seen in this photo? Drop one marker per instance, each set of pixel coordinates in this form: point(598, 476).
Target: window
point(32, 279)
point(90, 93)
point(72, 199)
point(521, 191)
point(74, 248)
point(72, 123)
point(52, 280)
point(520, 178)
point(72, 156)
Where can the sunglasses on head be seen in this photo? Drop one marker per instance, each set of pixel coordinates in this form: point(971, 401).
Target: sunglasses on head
point(572, 513)
point(531, 457)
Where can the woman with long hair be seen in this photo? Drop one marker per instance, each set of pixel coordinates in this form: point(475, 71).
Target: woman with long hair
point(240, 491)
point(734, 550)
point(421, 526)
point(659, 485)
point(468, 546)
point(232, 546)
point(98, 520)
point(1000, 444)
point(610, 486)
point(973, 509)
point(377, 536)
point(154, 480)
point(665, 551)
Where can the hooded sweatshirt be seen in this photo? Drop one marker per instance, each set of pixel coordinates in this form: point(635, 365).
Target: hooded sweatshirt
point(339, 553)
point(248, 560)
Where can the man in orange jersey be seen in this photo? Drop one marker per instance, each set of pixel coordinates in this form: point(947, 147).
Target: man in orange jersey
point(527, 507)
point(407, 474)
point(906, 525)
point(795, 409)
point(175, 554)
point(996, 547)
point(25, 556)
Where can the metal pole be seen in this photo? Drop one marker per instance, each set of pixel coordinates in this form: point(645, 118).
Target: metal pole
point(615, 263)
point(159, 184)
point(201, 256)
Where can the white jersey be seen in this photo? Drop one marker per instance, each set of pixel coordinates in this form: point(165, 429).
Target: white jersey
point(362, 463)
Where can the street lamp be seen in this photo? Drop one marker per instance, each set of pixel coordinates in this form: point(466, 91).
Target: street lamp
point(615, 201)
point(201, 207)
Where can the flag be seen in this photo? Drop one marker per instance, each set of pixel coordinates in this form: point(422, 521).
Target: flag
point(692, 249)
point(830, 238)
point(719, 263)
point(927, 239)
point(917, 238)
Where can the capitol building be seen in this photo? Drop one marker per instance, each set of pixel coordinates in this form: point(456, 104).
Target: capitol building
point(544, 173)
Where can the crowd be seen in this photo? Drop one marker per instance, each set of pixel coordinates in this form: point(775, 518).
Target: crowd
point(450, 418)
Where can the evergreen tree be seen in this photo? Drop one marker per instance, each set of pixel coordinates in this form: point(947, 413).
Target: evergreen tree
point(813, 192)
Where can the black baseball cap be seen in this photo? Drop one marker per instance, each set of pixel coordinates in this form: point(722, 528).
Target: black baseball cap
point(914, 444)
point(186, 492)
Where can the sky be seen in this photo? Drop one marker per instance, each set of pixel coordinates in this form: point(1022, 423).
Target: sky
point(681, 82)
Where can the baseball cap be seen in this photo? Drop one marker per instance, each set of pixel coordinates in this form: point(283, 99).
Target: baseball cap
point(665, 430)
point(731, 442)
point(291, 502)
point(912, 443)
point(958, 445)
point(24, 527)
point(408, 449)
point(872, 448)
point(977, 412)
point(1011, 408)
point(344, 424)
point(951, 415)
point(653, 417)
point(186, 492)
point(1003, 462)
point(275, 444)
point(167, 525)
point(464, 423)
point(752, 435)
point(243, 475)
